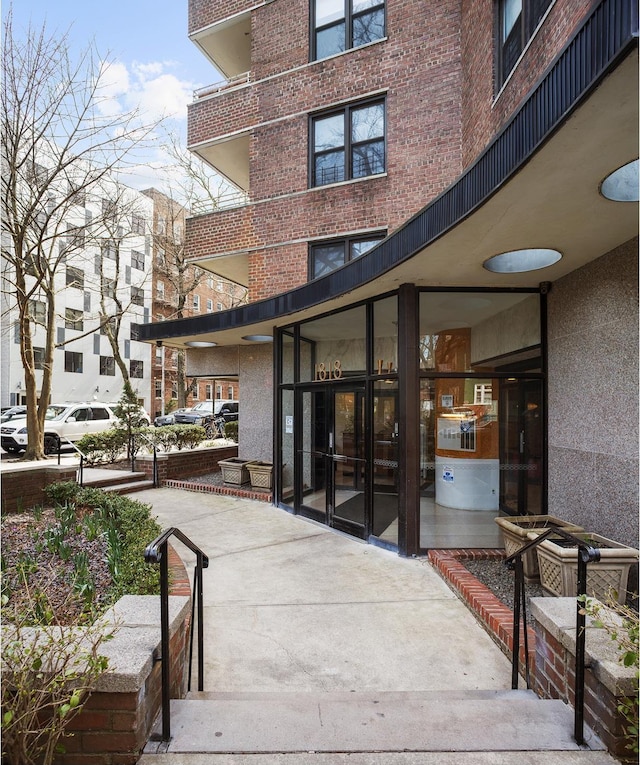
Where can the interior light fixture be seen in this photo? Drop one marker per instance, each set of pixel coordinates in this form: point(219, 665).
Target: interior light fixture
point(258, 338)
point(622, 185)
point(200, 343)
point(518, 261)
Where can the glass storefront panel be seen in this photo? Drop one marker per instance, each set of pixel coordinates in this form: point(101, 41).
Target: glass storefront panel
point(477, 331)
point(385, 468)
point(385, 336)
point(338, 346)
point(312, 453)
point(287, 446)
point(287, 371)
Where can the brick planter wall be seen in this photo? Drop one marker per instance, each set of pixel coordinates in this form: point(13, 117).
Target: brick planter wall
point(184, 464)
point(115, 723)
point(22, 487)
point(607, 683)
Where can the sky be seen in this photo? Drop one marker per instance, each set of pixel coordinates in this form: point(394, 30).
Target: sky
point(153, 63)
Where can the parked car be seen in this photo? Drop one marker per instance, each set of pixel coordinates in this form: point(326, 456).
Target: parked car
point(62, 421)
point(168, 419)
point(205, 411)
point(13, 411)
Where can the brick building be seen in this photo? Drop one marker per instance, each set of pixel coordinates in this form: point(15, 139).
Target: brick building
point(180, 289)
point(442, 275)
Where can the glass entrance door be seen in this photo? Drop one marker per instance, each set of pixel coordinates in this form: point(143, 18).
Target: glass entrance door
point(521, 447)
point(332, 461)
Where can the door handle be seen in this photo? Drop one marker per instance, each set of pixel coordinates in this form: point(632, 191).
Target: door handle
point(522, 442)
point(339, 458)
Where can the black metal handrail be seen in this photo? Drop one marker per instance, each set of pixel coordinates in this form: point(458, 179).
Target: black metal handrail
point(156, 552)
point(586, 554)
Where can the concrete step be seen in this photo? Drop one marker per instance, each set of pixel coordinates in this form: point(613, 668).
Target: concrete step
point(382, 758)
point(101, 479)
point(129, 488)
point(239, 725)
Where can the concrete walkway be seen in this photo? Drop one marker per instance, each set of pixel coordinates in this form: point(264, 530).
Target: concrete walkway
point(317, 641)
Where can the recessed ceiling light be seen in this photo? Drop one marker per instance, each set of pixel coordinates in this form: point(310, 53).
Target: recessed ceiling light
point(517, 261)
point(200, 343)
point(258, 338)
point(622, 184)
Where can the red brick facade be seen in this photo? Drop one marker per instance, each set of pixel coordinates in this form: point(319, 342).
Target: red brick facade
point(435, 68)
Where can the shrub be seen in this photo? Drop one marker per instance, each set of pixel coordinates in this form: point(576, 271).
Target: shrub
point(189, 436)
point(231, 431)
point(107, 446)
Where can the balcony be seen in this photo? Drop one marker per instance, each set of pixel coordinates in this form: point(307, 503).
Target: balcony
point(227, 44)
point(230, 157)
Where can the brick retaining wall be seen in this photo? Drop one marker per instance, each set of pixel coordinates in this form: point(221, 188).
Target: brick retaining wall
point(22, 486)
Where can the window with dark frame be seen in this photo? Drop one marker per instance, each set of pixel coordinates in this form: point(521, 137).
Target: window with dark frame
point(516, 22)
point(326, 256)
point(107, 366)
point(136, 369)
point(38, 311)
point(73, 362)
point(73, 319)
point(137, 296)
point(137, 224)
point(348, 143)
point(137, 260)
point(38, 358)
point(338, 25)
point(75, 277)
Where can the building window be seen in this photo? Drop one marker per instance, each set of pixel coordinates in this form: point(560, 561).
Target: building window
point(517, 21)
point(136, 369)
point(196, 303)
point(209, 305)
point(107, 366)
point(230, 392)
point(38, 358)
point(208, 391)
point(160, 291)
point(134, 331)
point(73, 362)
point(342, 24)
point(73, 319)
point(75, 236)
point(110, 324)
point(109, 249)
point(482, 394)
point(38, 311)
point(158, 387)
point(75, 277)
point(137, 260)
point(218, 391)
point(137, 224)
point(348, 143)
point(108, 287)
point(137, 296)
point(327, 256)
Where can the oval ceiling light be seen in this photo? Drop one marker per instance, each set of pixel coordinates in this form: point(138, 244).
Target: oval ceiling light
point(258, 338)
point(622, 184)
point(518, 261)
point(200, 344)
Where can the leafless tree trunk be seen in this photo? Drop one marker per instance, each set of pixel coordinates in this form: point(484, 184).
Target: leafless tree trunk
point(57, 146)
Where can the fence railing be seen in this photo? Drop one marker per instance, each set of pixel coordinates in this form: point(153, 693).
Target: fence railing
point(586, 555)
point(157, 552)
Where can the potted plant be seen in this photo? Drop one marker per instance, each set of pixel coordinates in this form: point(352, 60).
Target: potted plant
point(234, 470)
point(260, 474)
point(606, 578)
point(514, 536)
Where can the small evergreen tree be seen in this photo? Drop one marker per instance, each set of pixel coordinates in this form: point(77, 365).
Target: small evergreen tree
point(130, 414)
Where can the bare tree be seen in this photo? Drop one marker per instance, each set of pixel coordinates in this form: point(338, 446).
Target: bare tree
point(58, 144)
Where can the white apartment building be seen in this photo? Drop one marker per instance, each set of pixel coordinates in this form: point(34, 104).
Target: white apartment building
point(104, 258)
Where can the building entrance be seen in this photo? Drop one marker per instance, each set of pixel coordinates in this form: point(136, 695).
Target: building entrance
point(332, 463)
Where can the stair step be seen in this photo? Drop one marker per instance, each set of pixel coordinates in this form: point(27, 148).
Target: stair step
point(128, 488)
point(382, 758)
point(119, 477)
point(430, 721)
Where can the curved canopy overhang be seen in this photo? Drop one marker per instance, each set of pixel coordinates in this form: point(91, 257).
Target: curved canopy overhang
point(536, 185)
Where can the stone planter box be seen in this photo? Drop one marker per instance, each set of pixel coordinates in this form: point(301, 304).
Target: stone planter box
point(234, 471)
point(514, 536)
point(606, 578)
point(260, 473)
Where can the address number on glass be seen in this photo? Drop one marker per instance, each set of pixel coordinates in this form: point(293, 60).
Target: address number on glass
point(331, 371)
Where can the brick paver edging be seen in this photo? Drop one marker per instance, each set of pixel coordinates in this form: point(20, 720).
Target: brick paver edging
point(178, 578)
point(494, 616)
point(228, 491)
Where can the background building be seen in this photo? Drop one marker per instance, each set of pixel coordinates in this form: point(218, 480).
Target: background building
point(100, 262)
point(432, 244)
